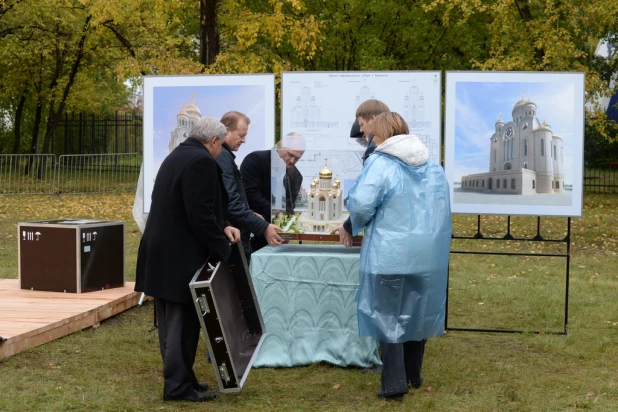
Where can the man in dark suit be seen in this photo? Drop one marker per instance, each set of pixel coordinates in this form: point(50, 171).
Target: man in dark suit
point(256, 175)
point(240, 213)
point(187, 225)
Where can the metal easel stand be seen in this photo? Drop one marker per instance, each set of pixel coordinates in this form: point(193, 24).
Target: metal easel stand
point(538, 238)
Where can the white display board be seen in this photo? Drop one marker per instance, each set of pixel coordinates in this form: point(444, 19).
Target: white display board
point(514, 142)
point(169, 101)
point(322, 107)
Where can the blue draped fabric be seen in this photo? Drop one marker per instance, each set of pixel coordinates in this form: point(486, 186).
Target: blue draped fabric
point(306, 295)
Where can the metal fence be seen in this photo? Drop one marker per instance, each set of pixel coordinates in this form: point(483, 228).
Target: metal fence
point(118, 172)
point(46, 174)
point(28, 174)
point(601, 180)
point(81, 133)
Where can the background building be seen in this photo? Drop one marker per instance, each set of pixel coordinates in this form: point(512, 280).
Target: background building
point(525, 156)
point(185, 119)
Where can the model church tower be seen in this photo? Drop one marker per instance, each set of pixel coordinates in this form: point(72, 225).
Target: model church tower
point(325, 198)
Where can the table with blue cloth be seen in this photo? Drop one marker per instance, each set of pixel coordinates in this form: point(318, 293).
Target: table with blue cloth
point(307, 297)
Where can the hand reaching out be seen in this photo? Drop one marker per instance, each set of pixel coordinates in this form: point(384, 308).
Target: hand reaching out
point(345, 238)
point(271, 236)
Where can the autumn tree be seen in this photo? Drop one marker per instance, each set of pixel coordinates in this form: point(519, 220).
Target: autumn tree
point(60, 54)
point(549, 35)
point(394, 35)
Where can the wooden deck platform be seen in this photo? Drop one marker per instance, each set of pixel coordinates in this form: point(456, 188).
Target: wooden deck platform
point(30, 318)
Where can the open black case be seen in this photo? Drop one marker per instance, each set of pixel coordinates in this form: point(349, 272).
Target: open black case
point(230, 317)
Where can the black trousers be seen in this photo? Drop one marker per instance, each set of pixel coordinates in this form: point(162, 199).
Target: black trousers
point(401, 365)
point(179, 332)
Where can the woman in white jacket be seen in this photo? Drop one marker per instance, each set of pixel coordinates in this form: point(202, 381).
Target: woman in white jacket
point(401, 201)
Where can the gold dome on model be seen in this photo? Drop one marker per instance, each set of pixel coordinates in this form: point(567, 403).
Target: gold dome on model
point(326, 172)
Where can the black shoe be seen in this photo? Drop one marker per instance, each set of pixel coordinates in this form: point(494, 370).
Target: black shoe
point(415, 385)
point(192, 396)
point(398, 397)
point(201, 386)
point(375, 369)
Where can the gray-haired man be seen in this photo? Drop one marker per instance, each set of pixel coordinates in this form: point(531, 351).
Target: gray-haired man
point(187, 225)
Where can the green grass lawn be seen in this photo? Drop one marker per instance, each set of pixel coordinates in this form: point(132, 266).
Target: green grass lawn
point(117, 366)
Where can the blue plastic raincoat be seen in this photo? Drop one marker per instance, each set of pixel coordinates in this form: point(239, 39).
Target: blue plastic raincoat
point(401, 201)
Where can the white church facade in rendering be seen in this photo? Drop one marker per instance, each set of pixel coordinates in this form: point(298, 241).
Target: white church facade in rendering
point(525, 157)
point(185, 119)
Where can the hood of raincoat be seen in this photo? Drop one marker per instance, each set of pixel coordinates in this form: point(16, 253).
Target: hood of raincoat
point(406, 147)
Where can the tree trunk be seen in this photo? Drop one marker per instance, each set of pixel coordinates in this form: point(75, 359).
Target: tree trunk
point(53, 117)
point(34, 144)
point(523, 7)
point(17, 125)
point(209, 35)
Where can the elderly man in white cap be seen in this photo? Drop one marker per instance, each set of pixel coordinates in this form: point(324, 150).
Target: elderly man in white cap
point(256, 175)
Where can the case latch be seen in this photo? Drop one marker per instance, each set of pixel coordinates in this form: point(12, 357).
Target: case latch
point(203, 304)
point(223, 373)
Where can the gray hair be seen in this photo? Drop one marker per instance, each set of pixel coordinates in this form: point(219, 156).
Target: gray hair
point(206, 128)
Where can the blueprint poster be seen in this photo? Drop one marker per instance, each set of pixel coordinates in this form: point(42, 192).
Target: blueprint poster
point(322, 106)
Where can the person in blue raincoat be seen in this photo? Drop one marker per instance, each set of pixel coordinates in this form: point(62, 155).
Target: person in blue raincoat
point(401, 201)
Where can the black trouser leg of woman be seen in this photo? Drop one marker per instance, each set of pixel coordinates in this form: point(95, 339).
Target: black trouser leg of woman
point(402, 363)
point(413, 352)
point(394, 380)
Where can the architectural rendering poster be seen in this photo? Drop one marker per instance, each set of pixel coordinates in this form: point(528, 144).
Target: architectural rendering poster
point(514, 142)
point(173, 103)
point(321, 106)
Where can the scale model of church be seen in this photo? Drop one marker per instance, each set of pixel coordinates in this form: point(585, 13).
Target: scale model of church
point(525, 157)
point(325, 198)
point(185, 119)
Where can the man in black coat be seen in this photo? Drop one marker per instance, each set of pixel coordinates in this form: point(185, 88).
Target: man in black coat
point(256, 175)
point(187, 224)
point(240, 214)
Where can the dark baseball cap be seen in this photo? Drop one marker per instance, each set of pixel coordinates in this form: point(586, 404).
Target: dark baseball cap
point(355, 131)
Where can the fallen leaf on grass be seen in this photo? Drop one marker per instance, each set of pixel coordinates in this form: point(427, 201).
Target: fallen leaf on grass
point(589, 394)
point(428, 389)
point(337, 386)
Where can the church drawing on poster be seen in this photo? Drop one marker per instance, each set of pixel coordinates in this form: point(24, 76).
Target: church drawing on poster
point(414, 108)
point(185, 119)
point(307, 112)
point(525, 157)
